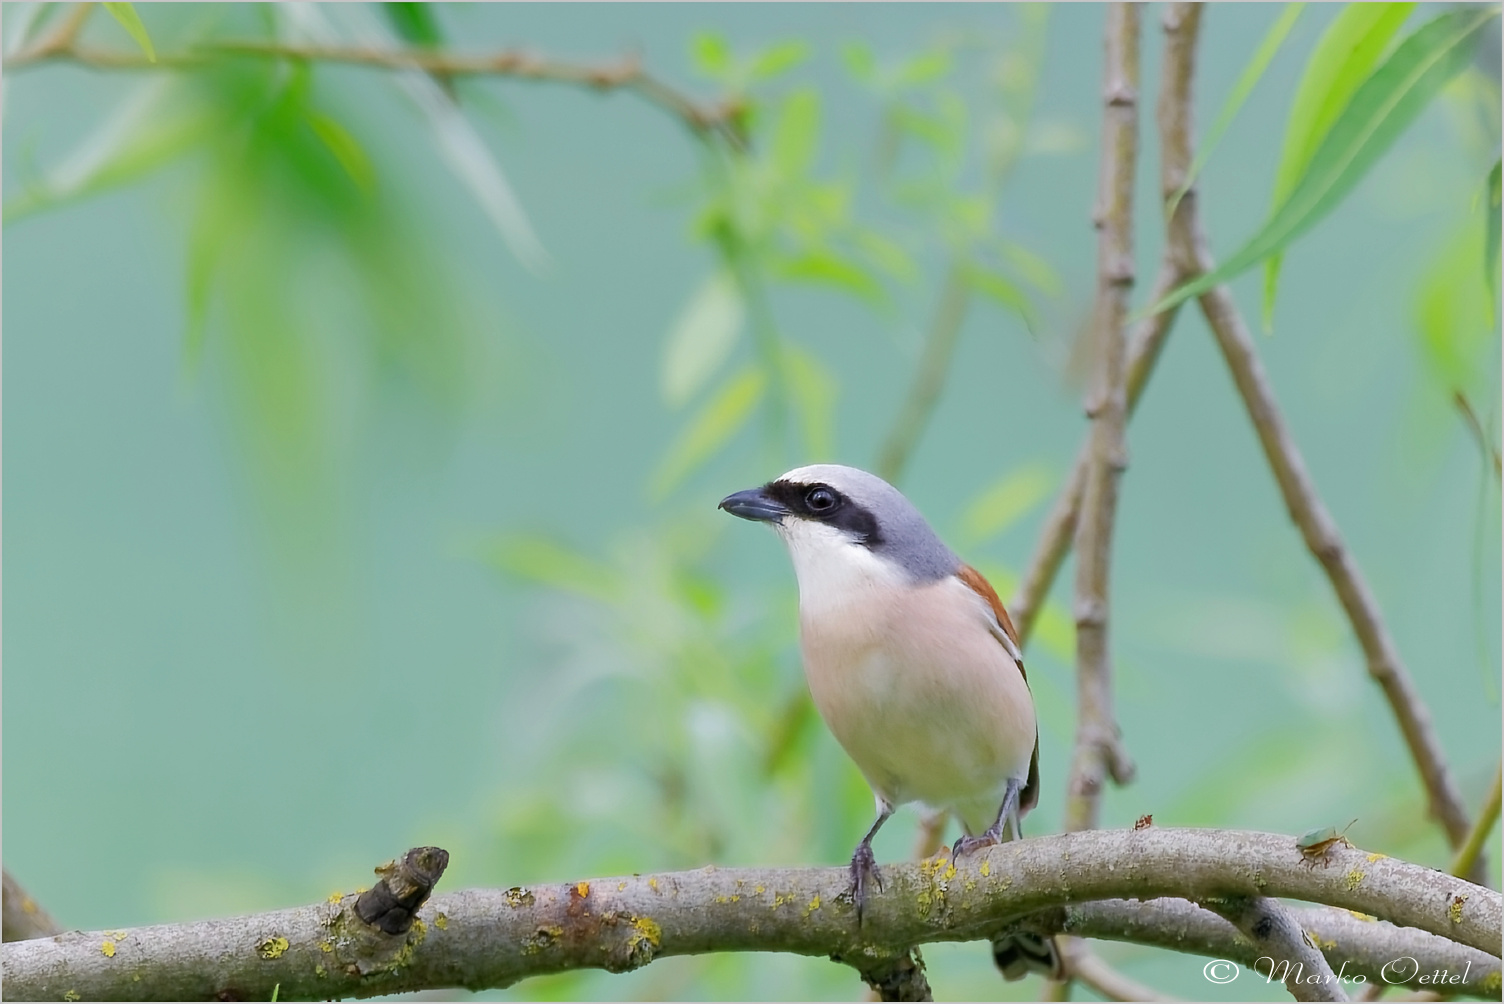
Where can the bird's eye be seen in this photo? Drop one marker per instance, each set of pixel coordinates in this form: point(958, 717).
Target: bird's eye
point(820, 499)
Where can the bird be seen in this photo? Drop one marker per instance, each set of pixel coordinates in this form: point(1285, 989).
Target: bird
point(914, 665)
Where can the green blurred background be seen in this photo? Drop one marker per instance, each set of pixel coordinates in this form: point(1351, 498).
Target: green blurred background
point(333, 525)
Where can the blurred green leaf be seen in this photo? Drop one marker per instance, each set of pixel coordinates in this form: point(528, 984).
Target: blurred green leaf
point(1379, 112)
point(1033, 268)
point(886, 254)
point(345, 148)
point(701, 338)
point(1453, 316)
point(812, 388)
point(415, 23)
point(720, 419)
point(1343, 58)
point(131, 21)
point(796, 132)
point(1002, 291)
point(545, 562)
point(711, 54)
point(1001, 504)
point(1491, 239)
point(924, 68)
point(859, 61)
point(828, 268)
point(1257, 64)
point(777, 60)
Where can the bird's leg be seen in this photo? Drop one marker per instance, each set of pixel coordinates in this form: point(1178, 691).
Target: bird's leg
point(1007, 816)
point(864, 865)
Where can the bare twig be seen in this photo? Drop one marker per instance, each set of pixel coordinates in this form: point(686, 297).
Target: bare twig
point(1288, 951)
point(723, 118)
point(929, 380)
point(1099, 752)
point(479, 938)
point(21, 917)
point(1089, 968)
point(1488, 815)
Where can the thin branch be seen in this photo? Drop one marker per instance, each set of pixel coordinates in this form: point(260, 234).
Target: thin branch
point(1488, 815)
point(723, 118)
point(1470, 418)
point(1086, 966)
point(1282, 946)
point(484, 938)
point(1099, 752)
point(929, 380)
point(21, 917)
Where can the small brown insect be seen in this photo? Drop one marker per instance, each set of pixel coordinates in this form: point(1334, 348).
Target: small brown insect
point(1317, 845)
point(1145, 821)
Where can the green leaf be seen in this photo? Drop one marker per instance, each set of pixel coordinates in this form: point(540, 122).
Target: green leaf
point(812, 388)
point(777, 60)
point(720, 419)
point(1003, 291)
point(1491, 239)
point(1001, 504)
point(860, 62)
point(549, 563)
point(1384, 106)
point(924, 68)
point(1262, 56)
point(415, 23)
point(131, 21)
point(711, 54)
point(796, 132)
point(1452, 316)
point(828, 268)
point(701, 338)
point(346, 149)
point(1343, 58)
point(886, 254)
point(1034, 269)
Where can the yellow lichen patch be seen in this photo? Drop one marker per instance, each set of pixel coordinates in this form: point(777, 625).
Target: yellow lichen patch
point(72, 995)
point(1317, 941)
point(986, 868)
point(1354, 879)
point(758, 890)
point(326, 946)
point(117, 935)
point(620, 886)
point(272, 948)
point(648, 928)
point(1454, 910)
point(334, 897)
point(1493, 983)
point(780, 898)
point(814, 905)
point(653, 884)
point(1365, 917)
point(441, 922)
point(517, 897)
point(583, 888)
point(320, 971)
point(108, 948)
point(1376, 856)
point(28, 905)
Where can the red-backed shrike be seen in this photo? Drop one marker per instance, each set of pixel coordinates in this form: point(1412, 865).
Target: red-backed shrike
point(912, 662)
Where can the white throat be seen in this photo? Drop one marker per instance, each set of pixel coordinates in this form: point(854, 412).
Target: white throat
point(833, 570)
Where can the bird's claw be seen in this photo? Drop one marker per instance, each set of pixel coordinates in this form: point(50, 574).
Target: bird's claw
point(966, 843)
point(863, 868)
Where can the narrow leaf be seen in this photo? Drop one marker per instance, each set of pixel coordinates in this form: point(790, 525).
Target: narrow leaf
point(545, 562)
point(1001, 504)
point(415, 23)
point(709, 430)
point(825, 267)
point(1491, 239)
point(345, 148)
point(1343, 58)
point(1384, 106)
point(812, 388)
point(1262, 56)
point(711, 54)
point(777, 60)
point(701, 338)
point(1003, 291)
point(131, 21)
point(796, 132)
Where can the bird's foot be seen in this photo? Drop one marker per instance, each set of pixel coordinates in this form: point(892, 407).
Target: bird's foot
point(966, 843)
point(863, 870)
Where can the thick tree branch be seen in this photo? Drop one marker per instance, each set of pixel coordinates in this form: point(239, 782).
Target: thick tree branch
point(22, 917)
point(482, 938)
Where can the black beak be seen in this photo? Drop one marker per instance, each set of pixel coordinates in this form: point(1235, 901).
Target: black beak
point(754, 504)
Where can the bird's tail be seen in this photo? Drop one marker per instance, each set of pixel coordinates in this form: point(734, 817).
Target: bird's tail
point(1023, 952)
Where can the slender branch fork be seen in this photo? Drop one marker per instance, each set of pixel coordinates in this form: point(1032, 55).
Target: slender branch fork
point(389, 940)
